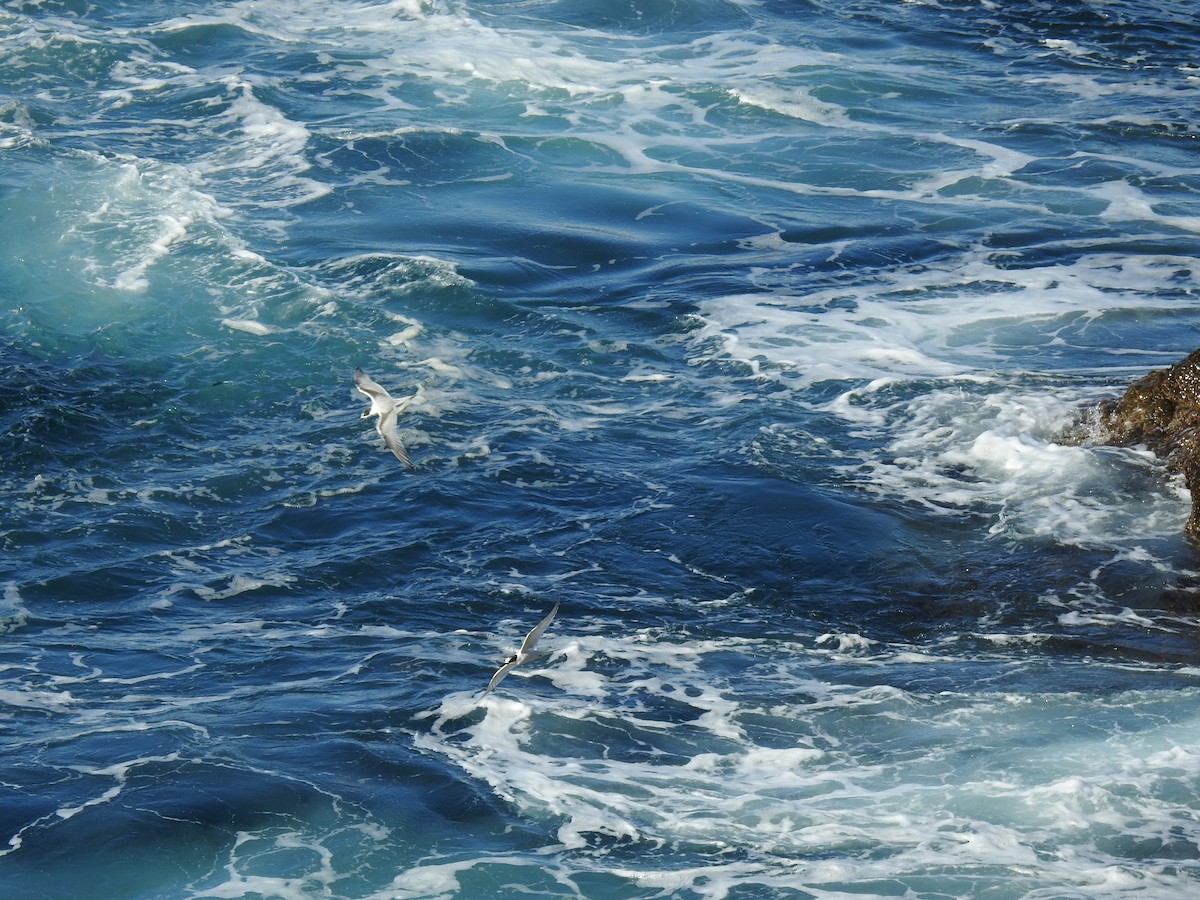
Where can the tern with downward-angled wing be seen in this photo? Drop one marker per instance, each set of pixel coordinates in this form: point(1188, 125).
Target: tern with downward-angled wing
point(527, 653)
point(387, 408)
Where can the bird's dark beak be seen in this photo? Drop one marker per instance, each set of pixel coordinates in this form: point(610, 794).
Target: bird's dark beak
point(366, 412)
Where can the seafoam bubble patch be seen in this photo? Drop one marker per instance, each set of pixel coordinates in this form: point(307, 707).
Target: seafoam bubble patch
point(999, 452)
point(773, 775)
point(949, 389)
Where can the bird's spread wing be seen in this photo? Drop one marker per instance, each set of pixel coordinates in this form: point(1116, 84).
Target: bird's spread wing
point(498, 677)
point(391, 437)
point(531, 639)
point(364, 383)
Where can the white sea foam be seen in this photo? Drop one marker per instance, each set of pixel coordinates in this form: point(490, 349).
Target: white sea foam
point(901, 784)
point(260, 154)
point(44, 701)
point(1126, 202)
point(236, 584)
point(927, 376)
point(250, 326)
point(960, 450)
point(13, 614)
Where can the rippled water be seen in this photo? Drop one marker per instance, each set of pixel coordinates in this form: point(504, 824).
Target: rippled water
point(743, 330)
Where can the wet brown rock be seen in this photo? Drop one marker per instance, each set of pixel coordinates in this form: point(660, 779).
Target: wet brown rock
point(1162, 412)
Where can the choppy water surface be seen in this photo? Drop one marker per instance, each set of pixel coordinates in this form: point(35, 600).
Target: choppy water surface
point(743, 330)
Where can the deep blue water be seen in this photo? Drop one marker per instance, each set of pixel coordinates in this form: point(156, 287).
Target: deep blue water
point(742, 330)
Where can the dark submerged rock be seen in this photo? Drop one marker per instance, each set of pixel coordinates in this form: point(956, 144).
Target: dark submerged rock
point(1162, 412)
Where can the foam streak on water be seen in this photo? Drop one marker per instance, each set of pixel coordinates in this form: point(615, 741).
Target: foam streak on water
point(746, 331)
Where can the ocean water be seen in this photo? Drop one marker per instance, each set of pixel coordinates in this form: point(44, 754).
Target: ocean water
point(743, 329)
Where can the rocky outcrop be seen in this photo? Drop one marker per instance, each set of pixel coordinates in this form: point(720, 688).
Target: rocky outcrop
point(1162, 412)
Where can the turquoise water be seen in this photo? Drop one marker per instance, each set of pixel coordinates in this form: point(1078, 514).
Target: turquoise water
point(742, 330)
